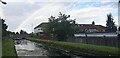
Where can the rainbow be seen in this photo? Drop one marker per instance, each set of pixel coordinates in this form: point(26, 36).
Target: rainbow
point(29, 18)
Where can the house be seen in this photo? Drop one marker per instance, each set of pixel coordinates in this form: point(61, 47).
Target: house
point(38, 30)
point(91, 28)
point(81, 28)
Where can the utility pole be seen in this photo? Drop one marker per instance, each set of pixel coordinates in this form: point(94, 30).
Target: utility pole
point(32, 30)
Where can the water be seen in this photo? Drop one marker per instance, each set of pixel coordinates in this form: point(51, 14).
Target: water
point(29, 48)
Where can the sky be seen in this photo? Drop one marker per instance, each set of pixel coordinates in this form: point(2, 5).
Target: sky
point(27, 14)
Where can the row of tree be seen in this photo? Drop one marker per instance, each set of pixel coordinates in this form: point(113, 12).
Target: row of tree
point(7, 33)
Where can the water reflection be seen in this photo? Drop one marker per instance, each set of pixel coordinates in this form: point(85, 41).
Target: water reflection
point(28, 48)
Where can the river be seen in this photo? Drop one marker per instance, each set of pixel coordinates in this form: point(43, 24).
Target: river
point(29, 48)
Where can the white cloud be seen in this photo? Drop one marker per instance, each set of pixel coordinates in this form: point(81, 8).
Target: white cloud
point(83, 15)
point(98, 14)
point(1, 14)
point(33, 1)
point(44, 13)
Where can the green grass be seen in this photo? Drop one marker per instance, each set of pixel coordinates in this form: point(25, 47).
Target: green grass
point(86, 48)
point(0, 48)
point(8, 48)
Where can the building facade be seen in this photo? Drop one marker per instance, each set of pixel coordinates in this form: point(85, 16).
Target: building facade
point(81, 28)
point(38, 30)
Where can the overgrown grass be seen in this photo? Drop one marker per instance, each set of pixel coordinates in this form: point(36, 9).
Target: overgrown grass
point(8, 48)
point(0, 48)
point(86, 48)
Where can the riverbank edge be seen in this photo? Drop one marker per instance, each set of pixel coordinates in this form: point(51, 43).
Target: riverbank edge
point(8, 48)
point(88, 49)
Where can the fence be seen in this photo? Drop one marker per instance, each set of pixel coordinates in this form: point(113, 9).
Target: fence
point(97, 39)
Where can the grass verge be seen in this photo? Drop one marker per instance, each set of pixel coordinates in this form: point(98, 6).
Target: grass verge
point(0, 47)
point(85, 48)
point(8, 48)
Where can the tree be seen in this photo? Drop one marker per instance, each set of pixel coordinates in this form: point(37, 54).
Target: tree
point(4, 28)
point(119, 28)
point(110, 25)
point(119, 32)
point(61, 26)
point(17, 33)
point(93, 23)
point(23, 32)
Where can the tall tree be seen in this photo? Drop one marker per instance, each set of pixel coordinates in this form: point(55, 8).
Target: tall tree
point(4, 28)
point(21, 32)
point(110, 25)
point(119, 32)
point(60, 26)
point(119, 28)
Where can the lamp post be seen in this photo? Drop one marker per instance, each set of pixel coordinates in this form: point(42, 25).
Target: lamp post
point(3, 2)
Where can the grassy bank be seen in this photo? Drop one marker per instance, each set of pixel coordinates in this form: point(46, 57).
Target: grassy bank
point(79, 47)
point(8, 48)
point(0, 48)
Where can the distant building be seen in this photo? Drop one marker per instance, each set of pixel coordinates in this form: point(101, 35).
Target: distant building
point(38, 30)
point(81, 28)
point(91, 28)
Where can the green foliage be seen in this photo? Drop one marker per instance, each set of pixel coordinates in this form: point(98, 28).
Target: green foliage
point(60, 26)
point(119, 32)
point(110, 24)
point(8, 48)
point(17, 32)
point(23, 32)
point(119, 28)
point(4, 27)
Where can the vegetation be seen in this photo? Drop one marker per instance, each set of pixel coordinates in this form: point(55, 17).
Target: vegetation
point(119, 28)
point(3, 30)
point(17, 32)
point(0, 48)
point(61, 26)
point(23, 32)
point(8, 48)
point(119, 32)
point(79, 47)
point(4, 27)
point(110, 24)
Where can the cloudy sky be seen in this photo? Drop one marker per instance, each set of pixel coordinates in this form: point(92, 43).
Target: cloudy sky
point(23, 14)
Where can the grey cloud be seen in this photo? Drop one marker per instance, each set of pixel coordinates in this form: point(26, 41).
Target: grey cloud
point(15, 13)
